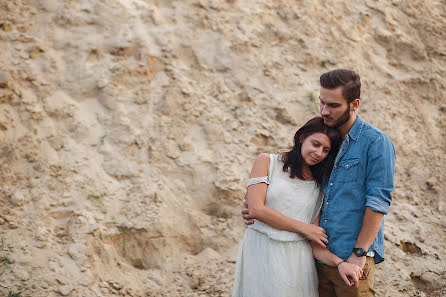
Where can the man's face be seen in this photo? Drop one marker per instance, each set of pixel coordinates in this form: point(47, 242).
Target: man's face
point(334, 107)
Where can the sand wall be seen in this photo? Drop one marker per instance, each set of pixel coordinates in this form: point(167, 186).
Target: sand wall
point(128, 129)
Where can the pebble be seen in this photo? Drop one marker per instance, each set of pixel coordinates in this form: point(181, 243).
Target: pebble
point(3, 80)
point(65, 290)
point(104, 291)
point(102, 83)
point(77, 251)
point(84, 280)
point(17, 198)
point(43, 284)
point(62, 279)
point(12, 225)
point(21, 274)
point(40, 244)
point(116, 286)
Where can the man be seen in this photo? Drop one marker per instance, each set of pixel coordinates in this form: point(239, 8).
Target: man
point(358, 192)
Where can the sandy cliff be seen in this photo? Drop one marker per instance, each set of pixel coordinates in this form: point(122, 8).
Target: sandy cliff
point(128, 129)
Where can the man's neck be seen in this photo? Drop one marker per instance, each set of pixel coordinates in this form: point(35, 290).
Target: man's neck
point(344, 129)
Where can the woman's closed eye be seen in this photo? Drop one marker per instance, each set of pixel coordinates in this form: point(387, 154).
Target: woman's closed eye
point(318, 144)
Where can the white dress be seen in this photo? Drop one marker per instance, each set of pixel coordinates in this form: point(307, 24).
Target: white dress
point(277, 263)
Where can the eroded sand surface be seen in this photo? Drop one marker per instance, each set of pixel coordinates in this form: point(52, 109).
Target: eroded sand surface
point(128, 129)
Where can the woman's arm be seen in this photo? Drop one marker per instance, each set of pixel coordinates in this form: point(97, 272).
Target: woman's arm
point(322, 253)
point(350, 273)
point(256, 196)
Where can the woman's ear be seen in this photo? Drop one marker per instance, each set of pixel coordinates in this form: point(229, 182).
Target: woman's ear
point(301, 138)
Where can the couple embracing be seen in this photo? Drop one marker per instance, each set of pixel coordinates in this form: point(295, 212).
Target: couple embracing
point(324, 199)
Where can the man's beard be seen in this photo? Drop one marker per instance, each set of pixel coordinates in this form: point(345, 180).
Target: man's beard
point(341, 121)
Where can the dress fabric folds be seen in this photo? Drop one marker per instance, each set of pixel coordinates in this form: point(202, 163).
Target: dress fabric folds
point(272, 262)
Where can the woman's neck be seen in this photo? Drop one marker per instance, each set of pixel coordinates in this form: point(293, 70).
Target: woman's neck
point(306, 172)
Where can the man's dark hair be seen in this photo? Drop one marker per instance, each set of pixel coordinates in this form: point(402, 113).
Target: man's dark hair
point(348, 79)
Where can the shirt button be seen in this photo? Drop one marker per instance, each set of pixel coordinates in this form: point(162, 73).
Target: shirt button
point(325, 221)
point(326, 202)
point(331, 184)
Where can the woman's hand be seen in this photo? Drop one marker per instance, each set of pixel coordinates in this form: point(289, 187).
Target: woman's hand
point(245, 214)
point(315, 234)
point(350, 273)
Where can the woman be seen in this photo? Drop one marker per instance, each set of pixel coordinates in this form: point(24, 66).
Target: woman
point(284, 197)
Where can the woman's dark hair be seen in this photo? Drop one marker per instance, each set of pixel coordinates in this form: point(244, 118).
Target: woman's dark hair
point(293, 160)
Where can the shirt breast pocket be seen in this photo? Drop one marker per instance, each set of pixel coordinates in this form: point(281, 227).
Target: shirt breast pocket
point(348, 170)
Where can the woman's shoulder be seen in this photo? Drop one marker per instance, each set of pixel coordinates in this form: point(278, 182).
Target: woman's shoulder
point(264, 158)
point(261, 165)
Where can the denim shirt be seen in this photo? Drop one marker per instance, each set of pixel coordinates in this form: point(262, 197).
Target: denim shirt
point(362, 177)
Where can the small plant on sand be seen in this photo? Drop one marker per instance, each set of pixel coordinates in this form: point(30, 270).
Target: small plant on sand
point(13, 293)
point(5, 261)
point(123, 230)
point(103, 138)
point(97, 200)
point(96, 197)
point(6, 264)
point(312, 99)
point(324, 64)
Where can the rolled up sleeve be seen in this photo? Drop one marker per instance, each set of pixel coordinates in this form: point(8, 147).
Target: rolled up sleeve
point(380, 172)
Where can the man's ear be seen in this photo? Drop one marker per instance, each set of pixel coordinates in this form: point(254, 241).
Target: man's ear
point(354, 105)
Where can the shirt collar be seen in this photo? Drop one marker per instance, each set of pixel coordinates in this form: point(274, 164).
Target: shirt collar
point(355, 130)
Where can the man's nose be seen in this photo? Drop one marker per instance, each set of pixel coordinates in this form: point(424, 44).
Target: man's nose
point(324, 111)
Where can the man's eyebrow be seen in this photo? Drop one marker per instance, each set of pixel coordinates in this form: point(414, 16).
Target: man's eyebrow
point(321, 99)
point(332, 104)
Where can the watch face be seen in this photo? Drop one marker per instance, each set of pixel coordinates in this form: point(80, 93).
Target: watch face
point(359, 252)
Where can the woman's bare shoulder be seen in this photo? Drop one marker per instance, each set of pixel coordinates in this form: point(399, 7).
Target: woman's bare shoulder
point(261, 165)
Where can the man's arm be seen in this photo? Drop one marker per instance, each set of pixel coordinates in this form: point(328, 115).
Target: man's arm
point(370, 227)
point(379, 183)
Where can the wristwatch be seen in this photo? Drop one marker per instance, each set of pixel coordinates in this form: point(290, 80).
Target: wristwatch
point(359, 252)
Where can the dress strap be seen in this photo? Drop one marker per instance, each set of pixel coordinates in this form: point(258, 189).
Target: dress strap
point(257, 180)
point(272, 158)
point(263, 179)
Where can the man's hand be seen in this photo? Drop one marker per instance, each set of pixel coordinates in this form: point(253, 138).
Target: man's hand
point(360, 261)
point(350, 273)
point(245, 214)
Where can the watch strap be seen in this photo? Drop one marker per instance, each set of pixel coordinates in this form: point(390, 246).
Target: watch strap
point(359, 252)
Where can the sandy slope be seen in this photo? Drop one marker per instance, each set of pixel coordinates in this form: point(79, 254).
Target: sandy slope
point(128, 128)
